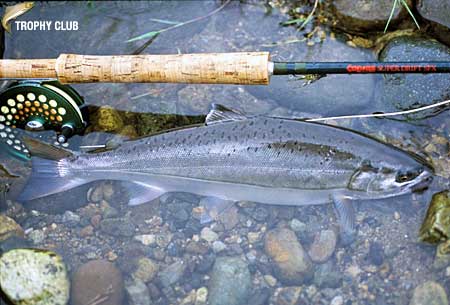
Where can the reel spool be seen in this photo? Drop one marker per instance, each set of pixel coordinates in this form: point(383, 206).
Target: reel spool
point(39, 105)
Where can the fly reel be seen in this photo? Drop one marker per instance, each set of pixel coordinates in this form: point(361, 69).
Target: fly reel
point(39, 105)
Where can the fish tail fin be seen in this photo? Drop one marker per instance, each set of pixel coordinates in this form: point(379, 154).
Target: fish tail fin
point(50, 171)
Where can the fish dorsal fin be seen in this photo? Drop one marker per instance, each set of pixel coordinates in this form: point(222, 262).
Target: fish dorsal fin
point(43, 150)
point(221, 114)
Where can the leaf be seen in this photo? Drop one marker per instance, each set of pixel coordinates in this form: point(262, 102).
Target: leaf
point(289, 22)
point(410, 13)
point(144, 36)
point(391, 15)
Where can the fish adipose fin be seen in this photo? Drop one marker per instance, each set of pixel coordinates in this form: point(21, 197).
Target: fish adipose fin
point(346, 217)
point(221, 114)
point(49, 175)
point(142, 193)
point(212, 208)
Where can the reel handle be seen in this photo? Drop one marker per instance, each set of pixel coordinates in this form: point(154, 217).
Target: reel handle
point(249, 68)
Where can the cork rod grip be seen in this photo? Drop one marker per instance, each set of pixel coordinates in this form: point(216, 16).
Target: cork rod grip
point(210, 68)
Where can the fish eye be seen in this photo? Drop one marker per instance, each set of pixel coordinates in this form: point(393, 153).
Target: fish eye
point(407, 175)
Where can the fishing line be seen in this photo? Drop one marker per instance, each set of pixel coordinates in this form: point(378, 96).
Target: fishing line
point(380, 115)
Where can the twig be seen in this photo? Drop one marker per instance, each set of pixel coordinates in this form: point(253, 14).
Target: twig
point(153, 33)
point(380, 115)
point(310, 15)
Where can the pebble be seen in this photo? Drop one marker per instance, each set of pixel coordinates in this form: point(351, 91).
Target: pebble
point(218, 246)
point(337, 300)
point(172, 273)
point(376, 254)
point(201, 296)
point(69, 218)
point(327, 276)
point(253, 237)
point(270, 280)
point(138, 293)
point(397, 215)
point(297, 226)
point(28, 275)
point(230, 282)
point(9, 228)
point(286, 295)
point(209, 235)
point(447, 271)
point(87, 231)
point(97, 278)
point(117, 227)
point(37, 236)
point(146, 239)
point(292, 264)
point(429, 293)
point(323, 246)
point(146, 270)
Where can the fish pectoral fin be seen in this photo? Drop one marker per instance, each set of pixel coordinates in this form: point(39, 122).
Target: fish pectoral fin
point(142, 193)
point(345, 213)
point(220, 114)
point(213, 207)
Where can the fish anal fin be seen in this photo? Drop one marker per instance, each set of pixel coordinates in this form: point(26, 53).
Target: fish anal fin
point(220, 114)
point(345, 213)
point(140, 193)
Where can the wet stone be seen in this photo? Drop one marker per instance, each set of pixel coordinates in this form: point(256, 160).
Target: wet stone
point(362, 15)
point(172, 273)
point(230, 282)
point(146, 270)
point(404, 91)
point(28, 275)
point(96, 278)
point(117, 227)
point(430, 293)
point(436, 12)
point(292, 264)
point(323, 246)
point(138, 293)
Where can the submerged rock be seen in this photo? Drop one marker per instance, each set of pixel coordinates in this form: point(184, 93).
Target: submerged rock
point(34, 277)
point(230, 282)
point(436, 225)
point(146, 270)
point(362, 15)
point(404, 91)
point(98, 279)
point(429, 293)
point(292, 263)
point(9, 228)
point(436, 12)
point(117, 227)
point(323, 246)
point(138, 293)
point(172, 273)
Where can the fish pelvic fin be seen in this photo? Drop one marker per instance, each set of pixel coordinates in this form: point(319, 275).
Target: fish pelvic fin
point(221, 114)
point(44, 150)
point(345, 213)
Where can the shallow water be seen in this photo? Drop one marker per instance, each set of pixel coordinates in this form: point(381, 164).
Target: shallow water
point(390, 225)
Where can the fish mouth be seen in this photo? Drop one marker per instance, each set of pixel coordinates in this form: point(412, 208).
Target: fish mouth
point(423, 181)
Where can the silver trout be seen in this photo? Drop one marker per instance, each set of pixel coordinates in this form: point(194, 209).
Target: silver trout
point(234, 157)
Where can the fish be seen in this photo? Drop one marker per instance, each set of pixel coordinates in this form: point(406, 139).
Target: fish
point(14, 11)
point(236, 157)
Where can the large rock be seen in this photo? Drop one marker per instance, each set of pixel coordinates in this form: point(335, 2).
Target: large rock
point(436, 12)
point(34, 277)
point(230, 282)
point(429, 293)
point(366, 15)
point(292, 264)
point(404, 91)
point(97, 278)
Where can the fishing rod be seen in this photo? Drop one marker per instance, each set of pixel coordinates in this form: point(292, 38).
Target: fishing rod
point(40, 99)
point(244, 68)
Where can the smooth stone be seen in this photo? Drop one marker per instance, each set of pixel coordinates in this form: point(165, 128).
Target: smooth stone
point(201, 296)
point(436, 12)
point(146, 239)
point(362, 15)
point(286, 295)
point(405, 91)
point(146, 270)
point(292, 264)
point(230, 282)
point(323, 246)
point(429, 293)
point(34, 277)
point(9, 228)
point(218, 246)
point(138, 293)
point(117, 227)
point(209, 235)
point(337, 300)
point(172, 273)
point(297, 226)
point(97, 278)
